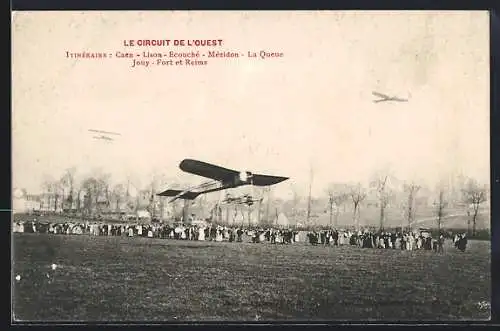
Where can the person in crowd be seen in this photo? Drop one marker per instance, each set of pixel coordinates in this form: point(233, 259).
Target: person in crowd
point(462, 242)
point(239, 234)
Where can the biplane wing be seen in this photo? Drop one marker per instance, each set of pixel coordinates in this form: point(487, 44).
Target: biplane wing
point(104, 132)
point(207, 170)
point(186, 195)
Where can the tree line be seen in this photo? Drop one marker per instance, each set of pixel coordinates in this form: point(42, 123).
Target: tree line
point(92, 193)
point(469, 196)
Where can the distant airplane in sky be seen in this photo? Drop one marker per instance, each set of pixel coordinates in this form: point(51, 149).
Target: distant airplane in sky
point(104, 135)
point(385, 97)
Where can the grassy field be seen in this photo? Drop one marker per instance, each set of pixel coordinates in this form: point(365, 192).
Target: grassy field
point(140, 279)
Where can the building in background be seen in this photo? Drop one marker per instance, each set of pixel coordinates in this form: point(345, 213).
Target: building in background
point(23, 203)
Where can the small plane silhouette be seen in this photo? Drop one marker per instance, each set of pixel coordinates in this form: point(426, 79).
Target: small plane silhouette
point(245, 199)
point(385, 97)
point(104, 135)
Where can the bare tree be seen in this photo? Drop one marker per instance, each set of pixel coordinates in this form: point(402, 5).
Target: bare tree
point(52, 189)
point(295, 202)
point(56, 191)
point(162, 182)
point(67, 182)
point(128, 197)
point(309, 200)
point(383, 196)
point(133, 199)
point(78, 189)
point(96, 191)
point(474, 195)
point(89, 188)
point(337, 195)
point(105, 192)
point(151, 207)
point(63, 189)
point(440, 204)
point(412, 190)
point(268, 192)
point(47, 188)
point(118, 194)
point(380, 184)
point(357, 194)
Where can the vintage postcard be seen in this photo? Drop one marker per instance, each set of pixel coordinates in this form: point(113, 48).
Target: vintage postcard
point(250, 166)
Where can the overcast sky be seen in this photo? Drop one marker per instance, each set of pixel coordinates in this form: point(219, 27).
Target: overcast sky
point(277, 116)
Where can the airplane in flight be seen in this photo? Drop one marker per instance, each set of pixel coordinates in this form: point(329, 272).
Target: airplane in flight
point(104, 135)
point(385, 97)
point(220, 179)
point(245, 199)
